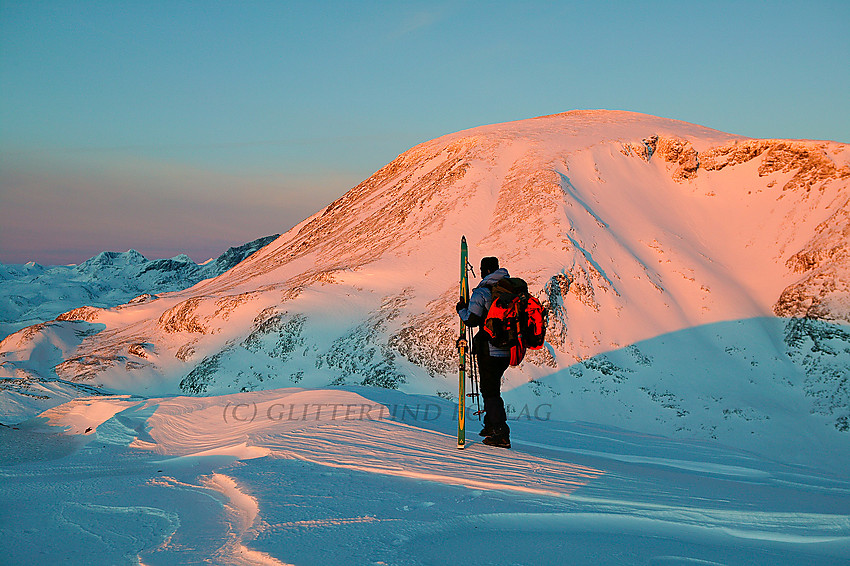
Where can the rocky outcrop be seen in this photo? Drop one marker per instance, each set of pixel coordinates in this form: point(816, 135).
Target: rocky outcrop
point(678, 152)
point(87, 314)
point(823, 291)
point(183, 318)
point(809, 161)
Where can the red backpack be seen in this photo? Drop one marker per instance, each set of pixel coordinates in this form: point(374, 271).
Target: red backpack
point(516, 320)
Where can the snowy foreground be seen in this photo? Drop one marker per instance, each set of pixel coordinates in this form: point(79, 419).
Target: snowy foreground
point(370, 476)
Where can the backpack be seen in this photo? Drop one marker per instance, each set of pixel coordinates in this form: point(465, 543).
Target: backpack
point(516, 320)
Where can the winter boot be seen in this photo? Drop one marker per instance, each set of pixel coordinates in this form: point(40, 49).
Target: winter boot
point(488, 430)
point(500, 438)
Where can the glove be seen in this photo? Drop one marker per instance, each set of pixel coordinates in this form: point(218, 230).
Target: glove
point(461, 305)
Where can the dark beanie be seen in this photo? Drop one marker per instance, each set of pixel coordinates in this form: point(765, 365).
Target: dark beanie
point(489, 265)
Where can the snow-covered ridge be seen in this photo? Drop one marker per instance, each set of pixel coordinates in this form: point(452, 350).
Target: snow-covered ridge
point(664, 250)
point(33, 293)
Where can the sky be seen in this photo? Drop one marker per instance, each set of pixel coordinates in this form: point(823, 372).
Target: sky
point(177, 126)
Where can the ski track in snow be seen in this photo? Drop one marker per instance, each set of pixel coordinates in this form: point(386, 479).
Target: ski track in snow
point(172, 481)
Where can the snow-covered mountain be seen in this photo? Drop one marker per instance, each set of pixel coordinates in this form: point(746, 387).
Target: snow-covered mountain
point(697, 283)
point(32, 293)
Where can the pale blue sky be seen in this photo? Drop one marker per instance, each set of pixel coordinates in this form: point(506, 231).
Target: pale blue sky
point(179, 126)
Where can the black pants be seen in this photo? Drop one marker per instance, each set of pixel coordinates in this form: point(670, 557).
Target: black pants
point(490, 372)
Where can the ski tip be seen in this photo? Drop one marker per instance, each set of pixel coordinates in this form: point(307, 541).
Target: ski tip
point(461, 446)
point(463, 239)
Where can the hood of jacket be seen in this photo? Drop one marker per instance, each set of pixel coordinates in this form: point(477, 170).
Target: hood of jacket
point(494, 278)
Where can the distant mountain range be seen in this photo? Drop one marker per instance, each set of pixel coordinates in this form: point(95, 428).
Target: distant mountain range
point(698, 284)
point(32, 293)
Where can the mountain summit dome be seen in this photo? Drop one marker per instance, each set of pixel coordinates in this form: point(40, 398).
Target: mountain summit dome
point(687, 272)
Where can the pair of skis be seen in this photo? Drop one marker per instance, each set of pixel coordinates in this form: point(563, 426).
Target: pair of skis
point(463, 349)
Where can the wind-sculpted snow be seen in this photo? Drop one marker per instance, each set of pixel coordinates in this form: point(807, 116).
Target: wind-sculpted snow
point(632, 229)
point(369, 476)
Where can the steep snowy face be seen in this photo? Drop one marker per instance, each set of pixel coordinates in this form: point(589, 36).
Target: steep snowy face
point(629, 227)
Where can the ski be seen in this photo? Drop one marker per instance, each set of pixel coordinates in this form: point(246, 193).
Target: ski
point(462, 349)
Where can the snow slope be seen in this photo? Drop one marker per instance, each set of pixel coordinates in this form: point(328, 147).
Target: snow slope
point(360, 475)
point(697, 284)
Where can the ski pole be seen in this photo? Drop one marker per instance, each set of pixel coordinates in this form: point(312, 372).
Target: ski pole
point(473, 377)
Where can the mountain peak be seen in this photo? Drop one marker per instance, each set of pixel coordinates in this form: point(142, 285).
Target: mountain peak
point(577, 128)
point(104, 259)
point(663, 250)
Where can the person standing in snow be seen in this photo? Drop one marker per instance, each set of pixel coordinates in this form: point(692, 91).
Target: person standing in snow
point(492, 361)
